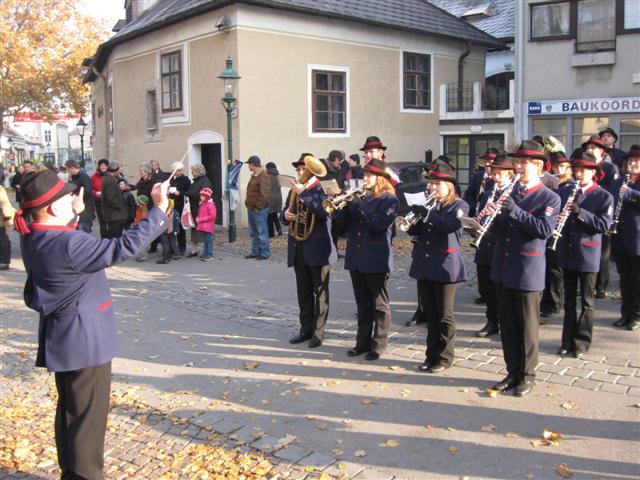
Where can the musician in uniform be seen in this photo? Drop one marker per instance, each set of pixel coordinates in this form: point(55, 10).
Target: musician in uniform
point(369, 257)
point(552, 296)
point(588, 215)
point(527, 218)
point(626, 242)
point(437, 263)
point(608, 174)
point(609, 138)
point(502, 174)
point(310, 250)
point(67, 285)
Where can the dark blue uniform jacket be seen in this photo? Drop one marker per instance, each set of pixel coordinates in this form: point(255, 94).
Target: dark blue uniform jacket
point(628, 236)
point(318, 249)
point(68, 286)
point(518, 260)
point(370, 228)
point(580, 246)
point(472, 193)
point(436, 254)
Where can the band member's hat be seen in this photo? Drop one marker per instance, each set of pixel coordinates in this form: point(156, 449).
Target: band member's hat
point(634, 152)
point(556, 158)
point(594, 140)
point(585, 160)
point(440, 170)
point(371, 143)
point(530, 149)
point(39, 189)
point(609, 130)
point(503, 162)
point(377, 167)
point(490, 154)
point(300, 162)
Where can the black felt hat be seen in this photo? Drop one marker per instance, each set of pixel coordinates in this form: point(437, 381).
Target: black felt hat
point(530, 149)
point(377, 167)
point(440, 170)
point(373, 142)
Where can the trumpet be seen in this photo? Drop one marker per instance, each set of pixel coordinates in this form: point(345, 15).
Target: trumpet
point(338, 202)
point(410, 219)
point(486, 224)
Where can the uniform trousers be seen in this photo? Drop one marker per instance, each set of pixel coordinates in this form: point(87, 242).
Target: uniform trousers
point(5, 247)
point(101, 222)
point(519, 317)
point(628, 267)
point(488, 291)
point(602, 280)
point(438, 299)
point(578, 330)
point(374, 311)
point(312, 284)
point(81, 420)
point(552, 297)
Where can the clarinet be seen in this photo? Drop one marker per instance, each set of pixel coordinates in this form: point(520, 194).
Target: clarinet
point(616, 215)
point(489, 220)
point(562, 218)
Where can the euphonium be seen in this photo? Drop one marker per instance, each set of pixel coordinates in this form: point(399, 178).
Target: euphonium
point(340, 201)
point(302, 226)
point(552, 144)
point(410, 219)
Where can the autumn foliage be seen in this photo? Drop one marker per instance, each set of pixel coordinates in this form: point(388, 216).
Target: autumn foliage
point(42, 45)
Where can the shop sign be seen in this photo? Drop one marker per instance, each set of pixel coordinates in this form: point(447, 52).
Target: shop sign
point(585, 105)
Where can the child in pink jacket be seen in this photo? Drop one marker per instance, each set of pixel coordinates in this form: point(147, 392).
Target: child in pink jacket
point(206, 222)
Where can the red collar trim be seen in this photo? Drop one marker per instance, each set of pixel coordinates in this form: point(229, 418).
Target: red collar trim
point(312, 183)
point(534, 189)
point(44, 226)
point(593, 186)
point(36, 202)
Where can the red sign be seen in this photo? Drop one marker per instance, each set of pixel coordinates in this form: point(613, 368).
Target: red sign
point(36, 117)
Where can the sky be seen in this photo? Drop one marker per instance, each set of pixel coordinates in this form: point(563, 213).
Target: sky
point(109, 11)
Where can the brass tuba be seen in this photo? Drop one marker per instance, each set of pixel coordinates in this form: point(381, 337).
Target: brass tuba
point(553, 145)
point(302, 226)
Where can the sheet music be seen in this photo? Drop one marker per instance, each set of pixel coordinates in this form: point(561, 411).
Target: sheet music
point(419, 198)
point(284, 180)
point(355, 183)
point(330, 187)
point(470, 223)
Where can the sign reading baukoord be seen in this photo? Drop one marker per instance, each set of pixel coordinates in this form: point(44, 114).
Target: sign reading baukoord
point(585, 105)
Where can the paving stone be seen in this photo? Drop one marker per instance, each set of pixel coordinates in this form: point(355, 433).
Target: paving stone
point(635, 363)
point(498, 361)
point(266, 444)
point(245, 435)
point(293, 454)
point(227, 426)
point(551, 368)
point(577, 372)
point(548, 359)
point(481, 357)
point(607, 387)
point(404, 352)
point(319, 461)
point(617, 362)
point(603, 377)
point(496, 352)
point(490, 367)
point(571, 362)
point(631, 381)
point(370, 474)
point(348, 469)
point(467, 364)
point(586, 383)
point(207, 419)
point(541, 376)
point(634, 392)
point(592, 357)
point(598, 367)
point(622, 370)
point(560, 379)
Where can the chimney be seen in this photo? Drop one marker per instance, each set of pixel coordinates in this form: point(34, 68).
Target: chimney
point(135, 8)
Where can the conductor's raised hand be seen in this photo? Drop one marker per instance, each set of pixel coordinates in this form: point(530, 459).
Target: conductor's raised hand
point(159, 195)
point(78, 201)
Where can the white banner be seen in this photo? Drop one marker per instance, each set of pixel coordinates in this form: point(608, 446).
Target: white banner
point(585, 105)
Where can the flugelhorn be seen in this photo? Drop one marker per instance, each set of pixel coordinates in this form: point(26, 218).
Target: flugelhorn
point(338, 202)
point(410, 219)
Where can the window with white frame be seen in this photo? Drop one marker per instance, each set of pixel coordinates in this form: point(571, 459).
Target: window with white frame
point(596, 29)
point(47, 136)
point(171, 73)
point(416, 81)
point(329, 101)
point(550, 20)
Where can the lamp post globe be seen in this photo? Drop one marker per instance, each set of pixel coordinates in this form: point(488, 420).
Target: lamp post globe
point(81, 125)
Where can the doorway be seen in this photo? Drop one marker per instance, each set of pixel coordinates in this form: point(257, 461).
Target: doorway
point(463, 150)
point(212, 162)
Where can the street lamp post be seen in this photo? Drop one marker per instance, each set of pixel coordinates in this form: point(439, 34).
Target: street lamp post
point(81, 125)
point(230, 80)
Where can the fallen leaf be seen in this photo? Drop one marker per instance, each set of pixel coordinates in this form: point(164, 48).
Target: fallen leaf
point(311, 417)
point(451, 429)
point(337, 452)
point(310, 469)
point(189, 364)
point(185, 337)
point(564, 471)
point(453, 449)
point(347, 421)
point(321, 426)
point(552, 437)
point(251, 365)
point(153, 357)
point(360, 453)
point(428, 426)
point(488, 428)
point(511, 434)
point(367, 401)
point(391, 443)
point(570, 405)
point(394, 367)
point(265, 402)
point(539, 442)
point(491, 393)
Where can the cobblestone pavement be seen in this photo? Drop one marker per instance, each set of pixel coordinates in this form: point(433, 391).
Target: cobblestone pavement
point(153, 429)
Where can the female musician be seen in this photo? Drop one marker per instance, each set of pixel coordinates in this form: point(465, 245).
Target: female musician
point(502, 173)
point(588, 216)
point(627, 239)
point(438, 265)
point(369, 258)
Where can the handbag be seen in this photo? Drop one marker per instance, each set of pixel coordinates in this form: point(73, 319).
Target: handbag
point(187, 217)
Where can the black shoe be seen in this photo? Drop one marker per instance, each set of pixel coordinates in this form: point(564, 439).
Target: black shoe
point(506, 384)
point(163, 261)
point(621, 322)
point(354, 352)
point(523, 388)
point(315, 342)
point(480, 301)
point(601, 294)
point(425, 366)
point(437, 368)
point(413, 322)
point(633, 324)
point(192, 254)
point(578, 354)
point(488, 329)
point(250, 255)
point(564, 352)
point(263, 258)
point(372, 356)
point(300, 338)
point(548, 313)
point(176, 256)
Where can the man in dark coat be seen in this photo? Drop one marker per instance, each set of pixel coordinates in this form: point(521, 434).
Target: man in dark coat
point(66, 284)
point(82, 180)
point(609, 138)
point(114, 211)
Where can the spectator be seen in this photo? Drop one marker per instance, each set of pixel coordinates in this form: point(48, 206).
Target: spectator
point(114, 212)
point(275, 202)
point(96, 187)
point(26, 167)
point(206, 223)
point(143, 187)
point(6, 220)
point(178, 188)
point(339, 166)
point(129, 202)
point(156, 171)
point(200, 181)
point(257, 203)
point(355, 172)
point(82, 180)
point(62, 174)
